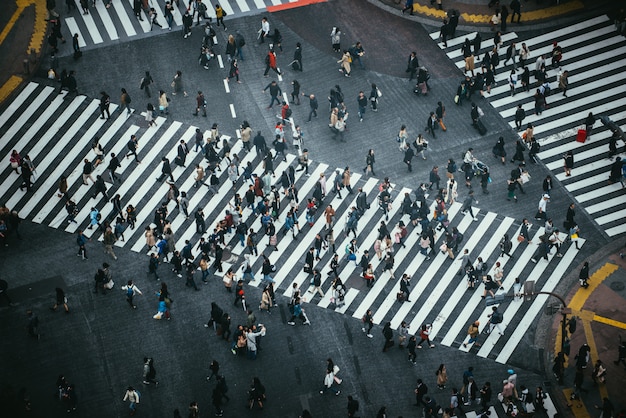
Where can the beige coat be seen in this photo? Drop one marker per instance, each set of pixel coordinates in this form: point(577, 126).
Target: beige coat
point(345, 62)
point(150, 240)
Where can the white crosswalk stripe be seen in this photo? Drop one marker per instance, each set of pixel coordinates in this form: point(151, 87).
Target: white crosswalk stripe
point(118, 22)
point(594, 56)
point(437, 294)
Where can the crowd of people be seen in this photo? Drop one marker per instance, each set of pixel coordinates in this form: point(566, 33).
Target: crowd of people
point(265, 198)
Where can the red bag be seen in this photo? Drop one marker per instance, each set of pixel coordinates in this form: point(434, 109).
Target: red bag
point(581, 136)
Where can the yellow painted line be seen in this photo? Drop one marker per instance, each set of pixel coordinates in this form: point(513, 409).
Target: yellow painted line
point(594, 355)
point(579, 299)
point(8, 87)
point(577, 408)
point(596, 279)
point(609, 321)
point(7, 29)
point(541, 14)
point(40, 27)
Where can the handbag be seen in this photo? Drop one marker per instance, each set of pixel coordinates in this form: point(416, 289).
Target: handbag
point(520, 238)
point(173, 83)
point(456, 99)
point(379, 93)
point(444, 248)
point(574, 236)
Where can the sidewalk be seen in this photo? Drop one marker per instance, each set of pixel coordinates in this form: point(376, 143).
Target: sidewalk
point(600, 321)
point(477, 12)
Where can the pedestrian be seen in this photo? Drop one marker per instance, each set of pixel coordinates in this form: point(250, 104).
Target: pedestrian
point(357, 52)
point(153, 19)
point(132, 146)
point(568, 163)
point(473, 332)
point(200, 104)
point(329, 383)
point(274, 91)
point(335, 39)
point(270, 63)
point(563, 84)
point(368, 322)
point(105, 100)
point(444, 32)
point(345, 61)
point(313, 105)
point(264, 31)
point(425, 331)
point(516, 10)
point(219, 15)
point(431, 124)
point(114, 164)
point(131, 290)
point(233, 72)
point(413, 63)
point(442, 376)
point(60, 299)
point(583, 276)
point(177, 84)
point(408, 157)
point(256, 393)
point(133, 397)
point(375, 93)
point(149, 372)
point(495, 319)
point(362, 104)
point(81, 240)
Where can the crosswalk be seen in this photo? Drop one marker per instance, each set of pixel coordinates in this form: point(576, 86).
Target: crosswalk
point(56, 132)
point(102, 25)
point(594, 56)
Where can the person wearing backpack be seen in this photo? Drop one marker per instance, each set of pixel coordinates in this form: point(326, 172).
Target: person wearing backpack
point(133, 397)
point(495, 319)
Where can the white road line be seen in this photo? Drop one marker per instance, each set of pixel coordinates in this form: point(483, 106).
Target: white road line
point(45, 138)
point(232, 111)
point(91, 26)
point(103, 12)
point(68, 156)
point(538, 304)
point(124, 18)
point(226, 87)
point(73, 28)
point(219, 60)
point(144, 24)
point(25, 116)
point(243, 6)
point(19, 101)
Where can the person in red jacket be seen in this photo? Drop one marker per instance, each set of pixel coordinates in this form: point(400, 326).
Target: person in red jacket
point(270, 62)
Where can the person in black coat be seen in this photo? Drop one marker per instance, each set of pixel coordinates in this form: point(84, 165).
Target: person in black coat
point(166, 170)
point(297, 58)
point(412, 65)
point(388, 334)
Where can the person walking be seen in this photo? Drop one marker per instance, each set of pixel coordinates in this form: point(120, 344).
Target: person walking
point(275, 91)
point(270, 63)
point(133, 397)
point(473, 332)
point(388, 334)
point(177, 84)
point(132, 146)
point(313, 105)
point(495, 319)
point(149, 372)
point(362, 104)
point(368, 321)
point(442, 376)
point(60, 299)
point(131, 290)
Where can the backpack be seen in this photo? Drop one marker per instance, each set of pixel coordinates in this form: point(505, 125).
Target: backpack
point(288, 112)
point(347, 249)
point(459, 237)
point(129, 291)
point(128, 100)
point(176, 192)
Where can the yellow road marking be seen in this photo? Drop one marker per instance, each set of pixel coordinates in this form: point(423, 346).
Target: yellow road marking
point(40, 27)
point(21, 5)
point(577, 407)
point(594, 354)
point(596, 279)
point(545, 13)
point(8, 87)
point(609, 321)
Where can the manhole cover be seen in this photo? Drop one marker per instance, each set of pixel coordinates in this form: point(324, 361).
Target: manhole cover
point(617, 286)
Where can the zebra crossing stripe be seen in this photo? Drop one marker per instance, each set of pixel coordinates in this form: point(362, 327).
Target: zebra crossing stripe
point(472, 304)
point(52, 179)
point(243, 6)
point(340, 222)
point(106, 20)
point(83, 215)
point(512, 308)
point(157, 196)
point(419, 287)
point(123, 16)
point(529, 317)
point(18, 102)
point(616, 230)
point(47, 136)
point(259, 4)
point(380, 283)
point(144, 24)
point(72, 26)
point(275, 256)
point(90, 24)
point(457, 55)
point(451, 274)
point(23, 118)
point(76, 176)
point(461, 288)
